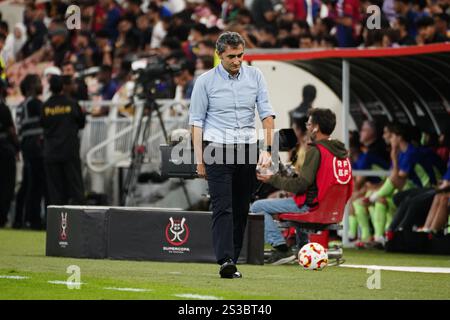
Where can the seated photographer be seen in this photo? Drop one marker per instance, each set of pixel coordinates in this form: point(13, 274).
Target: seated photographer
point(296, 158)
point(326, 164)
point(291, 169)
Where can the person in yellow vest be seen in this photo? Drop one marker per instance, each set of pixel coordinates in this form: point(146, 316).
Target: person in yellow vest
point(2, 63)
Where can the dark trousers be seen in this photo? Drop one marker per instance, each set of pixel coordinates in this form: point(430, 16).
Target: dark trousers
point(64, 182)
point(32, 190)
point(230, 187)
point(7, 181)
point(20, 199)
point(412, 208)
point(37, 191)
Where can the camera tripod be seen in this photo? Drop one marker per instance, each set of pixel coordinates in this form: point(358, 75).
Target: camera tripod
point(139, 149)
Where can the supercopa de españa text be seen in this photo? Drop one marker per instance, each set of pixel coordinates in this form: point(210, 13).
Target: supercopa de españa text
point(226, 309)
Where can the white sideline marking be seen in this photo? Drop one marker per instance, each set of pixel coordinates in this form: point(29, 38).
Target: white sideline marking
point(406, 269)
point(127, 289)
point(196, 296)
point(67, 283)
point(13, 277)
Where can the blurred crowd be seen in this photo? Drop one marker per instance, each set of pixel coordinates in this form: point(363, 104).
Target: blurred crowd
point(114, 33)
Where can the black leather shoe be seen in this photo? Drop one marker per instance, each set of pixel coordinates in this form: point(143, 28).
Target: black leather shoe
point(17, 225)
point(236, 275)
point(227, 269)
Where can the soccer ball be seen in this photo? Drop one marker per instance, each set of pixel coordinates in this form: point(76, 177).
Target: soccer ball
point(312, 256)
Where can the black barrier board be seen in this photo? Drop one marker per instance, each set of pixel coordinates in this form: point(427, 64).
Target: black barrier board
point(145, 234)
point(181, 236)
point(75, 231)
point(142, 234)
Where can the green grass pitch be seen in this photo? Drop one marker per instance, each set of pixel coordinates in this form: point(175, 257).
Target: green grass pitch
point(22, 254)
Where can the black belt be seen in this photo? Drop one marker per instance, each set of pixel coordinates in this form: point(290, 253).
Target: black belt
point(229, 145)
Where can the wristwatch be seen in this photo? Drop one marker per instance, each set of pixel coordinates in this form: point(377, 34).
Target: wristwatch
point(269, 149)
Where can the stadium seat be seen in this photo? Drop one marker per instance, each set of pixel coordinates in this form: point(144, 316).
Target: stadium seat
point(326, 216)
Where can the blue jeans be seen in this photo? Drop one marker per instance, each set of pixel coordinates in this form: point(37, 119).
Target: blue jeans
point(269, 207)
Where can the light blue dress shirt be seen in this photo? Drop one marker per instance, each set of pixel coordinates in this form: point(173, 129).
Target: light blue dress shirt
point(224, 106)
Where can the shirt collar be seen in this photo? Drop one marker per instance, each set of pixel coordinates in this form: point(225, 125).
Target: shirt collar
point(225, 75)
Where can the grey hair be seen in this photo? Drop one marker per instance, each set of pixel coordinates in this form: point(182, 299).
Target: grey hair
point(229, 39)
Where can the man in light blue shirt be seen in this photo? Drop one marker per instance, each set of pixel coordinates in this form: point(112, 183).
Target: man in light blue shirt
point(222, 117)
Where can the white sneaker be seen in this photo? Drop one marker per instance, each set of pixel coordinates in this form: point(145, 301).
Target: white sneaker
point(380, 240)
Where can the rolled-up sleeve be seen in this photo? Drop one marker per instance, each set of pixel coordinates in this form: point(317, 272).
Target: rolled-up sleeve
point(199, 104)
point(262, 99)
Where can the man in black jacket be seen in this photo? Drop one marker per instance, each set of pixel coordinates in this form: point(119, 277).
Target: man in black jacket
point(61, 118)
point(9, 147)
point(31, 136)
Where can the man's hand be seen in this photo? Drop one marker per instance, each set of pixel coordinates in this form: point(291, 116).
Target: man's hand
point(201, 170)
point(107, 48)
point(265, 159)
point(395, 150)
point(420, 40)
point(264, 177)
point(444, 184)
point(395, 147)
